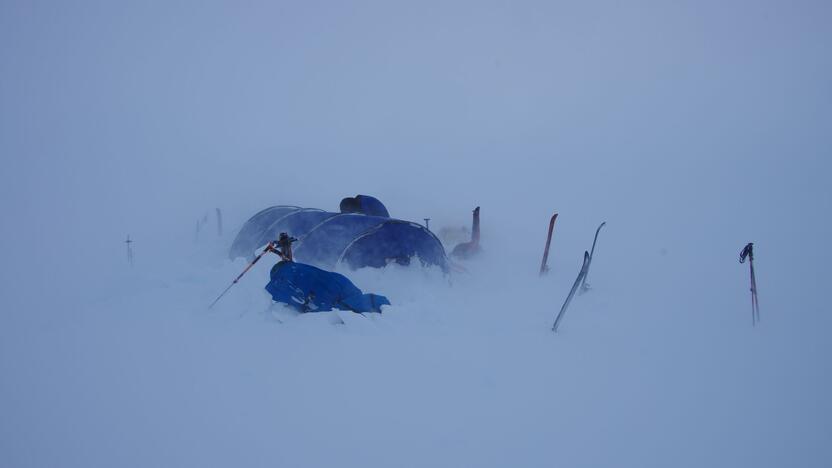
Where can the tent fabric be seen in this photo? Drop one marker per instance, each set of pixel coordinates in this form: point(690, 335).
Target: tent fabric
point(310, 289)
point(394, 240)
point(364, 204)
point(326, 239)
point(323, 245)
point(252, 231)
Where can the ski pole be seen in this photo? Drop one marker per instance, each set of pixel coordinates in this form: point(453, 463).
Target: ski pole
point(269, 248)
point(748, 252)
point(219, 222)
point(129, 250)
point(756, 304)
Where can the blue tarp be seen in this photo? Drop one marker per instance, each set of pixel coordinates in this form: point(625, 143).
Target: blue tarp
point(310, 289)
point(326, 239)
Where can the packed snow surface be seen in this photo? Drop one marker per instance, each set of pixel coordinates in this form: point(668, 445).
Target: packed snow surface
point(460, 371)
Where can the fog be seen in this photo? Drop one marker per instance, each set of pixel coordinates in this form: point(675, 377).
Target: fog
point(691, 128)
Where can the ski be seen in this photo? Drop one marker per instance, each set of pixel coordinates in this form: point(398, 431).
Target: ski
point(544, 268)
point(584, 285)
point(577, 283)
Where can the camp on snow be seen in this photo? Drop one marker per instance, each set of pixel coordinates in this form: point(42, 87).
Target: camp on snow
point(362, 234)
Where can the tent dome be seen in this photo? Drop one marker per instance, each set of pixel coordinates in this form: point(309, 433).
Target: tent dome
point(326, 239)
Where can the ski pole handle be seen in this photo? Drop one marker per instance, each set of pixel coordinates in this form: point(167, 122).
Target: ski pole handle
point(747, 251)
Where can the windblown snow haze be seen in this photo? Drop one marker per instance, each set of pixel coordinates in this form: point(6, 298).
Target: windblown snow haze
point(690, 127)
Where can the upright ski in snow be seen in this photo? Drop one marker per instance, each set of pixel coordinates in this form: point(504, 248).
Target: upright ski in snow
point(584, 285)
point(544, 268)
point(577, 283)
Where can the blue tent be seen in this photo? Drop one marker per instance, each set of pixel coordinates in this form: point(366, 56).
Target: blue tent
point(364, 204)
point(359, 236)
point(310, 289)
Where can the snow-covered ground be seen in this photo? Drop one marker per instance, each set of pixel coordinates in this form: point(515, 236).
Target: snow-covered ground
point(660, 369)
point(692, 128)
